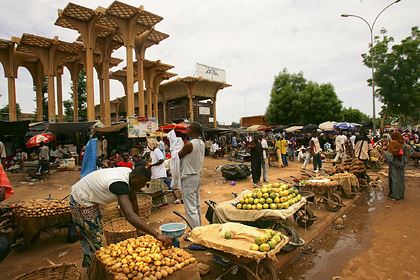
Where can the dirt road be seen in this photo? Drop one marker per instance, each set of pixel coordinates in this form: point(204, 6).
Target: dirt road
point(380, 240)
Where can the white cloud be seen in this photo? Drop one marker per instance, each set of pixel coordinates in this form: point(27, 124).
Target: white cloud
point(251, 40)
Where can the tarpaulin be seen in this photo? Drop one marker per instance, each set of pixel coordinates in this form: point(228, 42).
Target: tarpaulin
point(70, 127)
point(213, 236)
point(17, 128)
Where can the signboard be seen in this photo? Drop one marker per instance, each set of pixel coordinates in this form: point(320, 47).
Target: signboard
point(204, 110)
point(139, 126)
point(210, 73)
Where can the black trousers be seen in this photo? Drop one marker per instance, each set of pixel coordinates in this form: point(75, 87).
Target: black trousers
point(256, 170)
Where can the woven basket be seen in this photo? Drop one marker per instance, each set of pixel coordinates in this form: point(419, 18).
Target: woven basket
point(55, 272)
point(110, 212)
point(118, 230)
point(145, 206)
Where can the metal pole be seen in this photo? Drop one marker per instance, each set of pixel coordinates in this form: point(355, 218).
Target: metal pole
point(372, 65)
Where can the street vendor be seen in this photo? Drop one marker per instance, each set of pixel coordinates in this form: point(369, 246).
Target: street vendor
point(5, 192)
point(102, 187)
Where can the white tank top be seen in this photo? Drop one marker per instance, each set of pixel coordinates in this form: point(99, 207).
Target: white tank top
point(192, 163)
point(94, 187)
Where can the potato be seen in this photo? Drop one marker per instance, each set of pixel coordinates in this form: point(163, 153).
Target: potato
point(158, 275)
point(164, 273)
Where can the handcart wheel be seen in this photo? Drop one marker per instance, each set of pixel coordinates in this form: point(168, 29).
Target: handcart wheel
point(333, 203)
point(266, 271)
point(292, 234)
point(304, 217)
point(354, 191)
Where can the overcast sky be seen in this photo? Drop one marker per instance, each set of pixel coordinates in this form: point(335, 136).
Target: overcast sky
point(252, 40)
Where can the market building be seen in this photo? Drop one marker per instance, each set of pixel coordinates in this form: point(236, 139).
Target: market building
point(188, 98)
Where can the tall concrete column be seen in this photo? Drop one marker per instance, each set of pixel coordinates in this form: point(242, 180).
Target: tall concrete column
point(130, 81)
point(90, 100)
point(11, 89)
point(39, 107)
point(101, 100)
point(51, 99)
point(156, 105)
point(164, 102)
point(60, 97)
point(149, 101)
point(75, 99)
point(107, 95)
point(39, 94)
point(140, 84)
point(214, 112)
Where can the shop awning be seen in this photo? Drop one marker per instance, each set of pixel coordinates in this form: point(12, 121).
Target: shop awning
point(70, 127)
point(17, 128)
point(112, 128)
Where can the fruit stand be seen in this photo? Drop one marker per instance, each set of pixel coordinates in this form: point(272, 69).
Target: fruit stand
point(33, 216)
point(250, 248)
point(143, 257)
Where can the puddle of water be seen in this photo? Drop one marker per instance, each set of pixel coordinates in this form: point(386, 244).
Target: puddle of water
point(337, 247)
point(332, 259)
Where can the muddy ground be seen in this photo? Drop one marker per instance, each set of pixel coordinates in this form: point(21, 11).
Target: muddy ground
point(379, 240)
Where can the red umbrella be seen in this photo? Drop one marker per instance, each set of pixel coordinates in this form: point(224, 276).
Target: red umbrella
point(37, 139)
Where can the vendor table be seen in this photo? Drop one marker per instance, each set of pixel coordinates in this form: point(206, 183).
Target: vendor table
point(30, 228)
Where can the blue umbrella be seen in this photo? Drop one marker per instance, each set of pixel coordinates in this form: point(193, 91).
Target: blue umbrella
point(344, 126)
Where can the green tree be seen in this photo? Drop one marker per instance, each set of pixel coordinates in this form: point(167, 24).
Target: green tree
point(81, 96)
point(397, 72)
point(44, 98)
point(294, 100)
point(354, 116)
point(4, 112)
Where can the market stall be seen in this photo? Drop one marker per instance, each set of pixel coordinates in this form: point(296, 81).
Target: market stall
point(248, 247)
point(32, 217)
point(143, 257)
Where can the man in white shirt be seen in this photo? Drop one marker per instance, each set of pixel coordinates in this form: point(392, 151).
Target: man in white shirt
point(264, 164)
point(316, 151)
point(192, 156)
point(353, 139)
point(158, 170)
point(161, 145)
point(340, 149)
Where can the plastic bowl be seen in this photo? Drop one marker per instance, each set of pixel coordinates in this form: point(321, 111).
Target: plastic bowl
point(175, 230)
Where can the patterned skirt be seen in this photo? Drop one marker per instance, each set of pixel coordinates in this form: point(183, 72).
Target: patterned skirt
point(88, 221)
point(158, 184)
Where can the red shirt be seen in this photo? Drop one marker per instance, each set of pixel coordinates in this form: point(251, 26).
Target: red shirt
point(125, 164)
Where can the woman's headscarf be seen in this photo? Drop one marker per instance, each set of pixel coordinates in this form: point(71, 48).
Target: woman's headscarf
point(396, 143)
point(152, 143)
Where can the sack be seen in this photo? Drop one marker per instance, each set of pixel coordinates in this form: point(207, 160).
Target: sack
point(236, 172)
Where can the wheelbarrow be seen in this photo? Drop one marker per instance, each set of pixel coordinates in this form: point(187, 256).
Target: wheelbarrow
point(263, 270)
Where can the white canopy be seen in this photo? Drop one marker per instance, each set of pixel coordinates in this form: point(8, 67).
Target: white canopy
point(327, 126)
point(293, 128)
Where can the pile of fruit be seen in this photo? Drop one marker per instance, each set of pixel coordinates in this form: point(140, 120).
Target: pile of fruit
point(270, 196)
point(267, 241)
point(142, 258)
point(352, 165)
point(319, 183)
point(40, 208)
